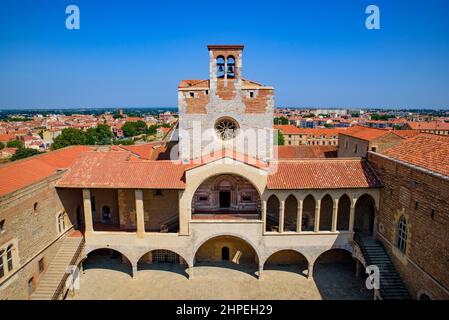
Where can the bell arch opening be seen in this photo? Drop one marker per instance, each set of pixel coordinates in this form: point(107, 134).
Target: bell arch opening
point(226, 196)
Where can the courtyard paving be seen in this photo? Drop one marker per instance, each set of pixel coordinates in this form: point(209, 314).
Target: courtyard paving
point(106, 278)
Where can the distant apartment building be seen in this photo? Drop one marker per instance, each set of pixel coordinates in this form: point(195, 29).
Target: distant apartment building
point(434, 127)
point(299, 136)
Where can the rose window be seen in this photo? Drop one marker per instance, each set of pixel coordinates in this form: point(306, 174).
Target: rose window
point(226, 129)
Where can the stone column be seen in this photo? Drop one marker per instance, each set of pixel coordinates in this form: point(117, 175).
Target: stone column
point(88, 222)
point(260, 272)
point(299, 216)
point(316, 226)
point(334, 216)
point(310, 272)
point(190, 272)
point(264, 215)
point(351, 217)
point(134, 271)
point(185, 213)
point(140, 219)
point(281, 216)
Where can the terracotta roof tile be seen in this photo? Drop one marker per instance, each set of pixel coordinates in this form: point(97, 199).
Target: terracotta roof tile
point(112, 170)
point(323, 174)
point(306, 151)
point(291, 129)
point(428, 125)
point(427, 151)
point(22, 173)
point(365, 133)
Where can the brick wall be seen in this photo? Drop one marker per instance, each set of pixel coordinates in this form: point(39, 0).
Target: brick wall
point(414, 193)
point(34, 232)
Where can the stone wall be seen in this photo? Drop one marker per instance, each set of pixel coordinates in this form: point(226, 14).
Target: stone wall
point(422, 198)
point(30, 216)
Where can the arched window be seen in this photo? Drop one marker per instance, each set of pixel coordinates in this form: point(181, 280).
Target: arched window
point(231, 67)
point(220, 67)
point(9, 257)
point(2, 267)
point(402, 234)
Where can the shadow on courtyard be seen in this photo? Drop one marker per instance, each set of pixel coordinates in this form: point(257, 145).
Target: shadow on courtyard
point(338, 282)
point(249, 269)
point(299, 270)
point(107, 262)
point(160, 266)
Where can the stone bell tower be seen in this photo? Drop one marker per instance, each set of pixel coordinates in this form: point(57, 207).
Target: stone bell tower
point(226, 111)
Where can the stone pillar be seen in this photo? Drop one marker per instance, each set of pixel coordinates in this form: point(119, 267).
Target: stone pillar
point(316, 226)
point(260, 272)
point(134, 271)
point(299, 216)
point(351, 217)
point(310, 272)
point(185, 213)
point(264, 215)
point(88, 222)
point(140, 219)
point(281, 216)
point(334, 216)
point(190, 272)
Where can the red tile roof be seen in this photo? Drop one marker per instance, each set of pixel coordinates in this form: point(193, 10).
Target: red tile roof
point(428, 125)
point(365, 133)
point(306, 151)
point(323, 174)
point(121, 170)
point(22, 173)
point(112, 170)
point(427, 151)
point(406, 133)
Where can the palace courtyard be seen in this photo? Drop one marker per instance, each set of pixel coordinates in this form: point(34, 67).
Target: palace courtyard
point(109, 278)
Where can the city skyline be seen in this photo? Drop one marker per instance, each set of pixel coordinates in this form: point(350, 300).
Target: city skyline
point(134, 57)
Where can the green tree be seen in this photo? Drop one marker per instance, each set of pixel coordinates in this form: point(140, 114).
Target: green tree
point(24, 153)
point(124, 142)
point(134, 128)
point(69, 137)
point(15, 144)
point(280, 141)
point(152, 129)
point(102, 134)
point(2, 145)
point(280, 120)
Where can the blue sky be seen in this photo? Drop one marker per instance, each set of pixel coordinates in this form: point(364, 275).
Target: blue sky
point(134, 53)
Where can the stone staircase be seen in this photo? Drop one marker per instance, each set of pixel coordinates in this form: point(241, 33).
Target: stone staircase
point(51, 285)
point(391, 284)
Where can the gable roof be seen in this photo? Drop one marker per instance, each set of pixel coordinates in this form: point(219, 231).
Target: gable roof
point(22, 173)
point(323, 174)
point(365, 133)
point(427, 151)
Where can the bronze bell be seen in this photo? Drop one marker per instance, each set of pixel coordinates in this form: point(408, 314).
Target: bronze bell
point(230, 69)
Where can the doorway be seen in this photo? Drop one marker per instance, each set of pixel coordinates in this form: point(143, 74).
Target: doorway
point(225, 199)
point(225, 254)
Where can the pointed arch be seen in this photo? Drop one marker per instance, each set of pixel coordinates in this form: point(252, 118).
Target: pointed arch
point(308, 213)
point(273, 205)
point(290, 213)
point(327, 204)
